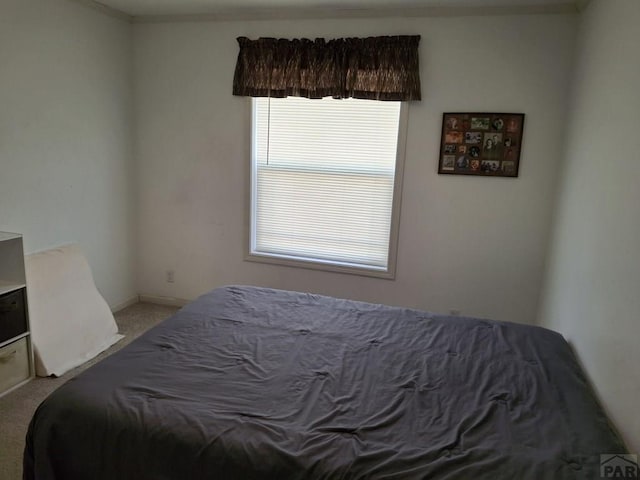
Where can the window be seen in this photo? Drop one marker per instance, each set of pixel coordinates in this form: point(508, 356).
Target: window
point(325, 183)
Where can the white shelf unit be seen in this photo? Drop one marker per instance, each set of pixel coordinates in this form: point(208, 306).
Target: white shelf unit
point(16, 353)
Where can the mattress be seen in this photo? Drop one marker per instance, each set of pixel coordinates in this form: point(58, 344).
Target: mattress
point(252, 383)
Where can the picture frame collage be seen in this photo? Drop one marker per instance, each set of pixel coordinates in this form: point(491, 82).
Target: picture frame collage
point(484, 144)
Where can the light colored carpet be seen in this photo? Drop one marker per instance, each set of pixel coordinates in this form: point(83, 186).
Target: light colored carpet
point(17, 408)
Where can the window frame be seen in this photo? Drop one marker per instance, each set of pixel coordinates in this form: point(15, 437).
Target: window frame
point(327, 265)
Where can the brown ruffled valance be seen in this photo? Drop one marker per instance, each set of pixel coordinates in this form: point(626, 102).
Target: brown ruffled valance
point(375, 68)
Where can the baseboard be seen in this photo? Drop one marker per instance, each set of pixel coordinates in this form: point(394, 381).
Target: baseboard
point(171, 301)
point(125, 304)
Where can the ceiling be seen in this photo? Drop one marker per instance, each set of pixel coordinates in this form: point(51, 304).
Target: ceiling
point(153, 8)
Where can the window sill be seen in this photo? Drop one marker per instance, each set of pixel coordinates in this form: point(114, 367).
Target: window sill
point(388, 274)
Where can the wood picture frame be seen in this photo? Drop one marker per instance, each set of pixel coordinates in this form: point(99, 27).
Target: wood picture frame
point(481, 143)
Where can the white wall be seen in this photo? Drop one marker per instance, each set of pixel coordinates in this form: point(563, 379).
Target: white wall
point(592, 292)
point(66, 169)
point(473, 244)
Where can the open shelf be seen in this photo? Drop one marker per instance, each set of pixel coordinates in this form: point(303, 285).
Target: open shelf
point(16, 351)
point(8, 287)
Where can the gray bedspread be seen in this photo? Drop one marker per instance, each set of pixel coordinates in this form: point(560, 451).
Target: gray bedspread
point(251, 383)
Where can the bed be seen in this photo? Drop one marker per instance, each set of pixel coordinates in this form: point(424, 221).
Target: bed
point(252, 383)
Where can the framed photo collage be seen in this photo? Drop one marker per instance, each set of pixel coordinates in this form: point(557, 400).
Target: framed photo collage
point(485, 144)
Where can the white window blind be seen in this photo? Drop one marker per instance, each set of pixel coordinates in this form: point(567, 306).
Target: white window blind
point(323, 179)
